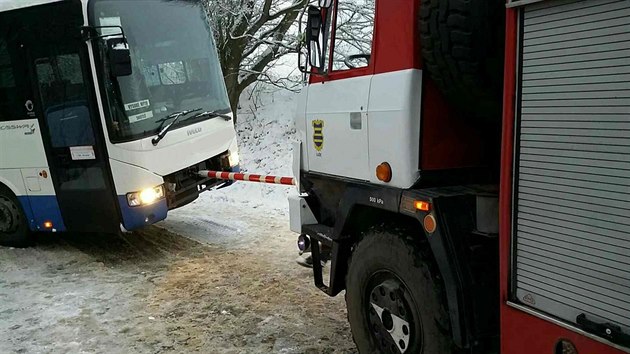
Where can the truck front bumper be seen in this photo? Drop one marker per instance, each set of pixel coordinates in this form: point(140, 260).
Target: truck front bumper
point(300, 213)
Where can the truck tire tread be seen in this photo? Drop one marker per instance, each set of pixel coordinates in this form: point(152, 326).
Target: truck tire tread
point(463, 53)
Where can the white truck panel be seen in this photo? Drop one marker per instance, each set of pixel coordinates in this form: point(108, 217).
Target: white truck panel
point(298, 156)
point(337, 105)
point(394, 120)
point(300, 213)
point(300, 126)
point(367, 120)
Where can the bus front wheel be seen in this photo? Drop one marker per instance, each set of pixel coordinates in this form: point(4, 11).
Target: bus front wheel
point(14, 230)
point(394, 303)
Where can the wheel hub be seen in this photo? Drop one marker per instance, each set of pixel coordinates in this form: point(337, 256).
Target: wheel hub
point(8, 216)
point(390, 316)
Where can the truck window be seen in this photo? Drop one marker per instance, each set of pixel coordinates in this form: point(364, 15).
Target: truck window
point(354, 32)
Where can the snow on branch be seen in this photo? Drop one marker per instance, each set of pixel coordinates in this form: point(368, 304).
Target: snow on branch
point(251, 35)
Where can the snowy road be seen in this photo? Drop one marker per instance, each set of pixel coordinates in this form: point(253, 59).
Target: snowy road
point(155, 292)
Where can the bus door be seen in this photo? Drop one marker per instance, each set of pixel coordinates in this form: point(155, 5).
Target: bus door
point(71, 127)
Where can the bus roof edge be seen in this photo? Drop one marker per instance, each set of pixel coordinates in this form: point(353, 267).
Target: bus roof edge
point(8, 5)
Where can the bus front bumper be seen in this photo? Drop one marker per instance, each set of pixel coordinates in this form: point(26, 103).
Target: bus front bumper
point(136, 217)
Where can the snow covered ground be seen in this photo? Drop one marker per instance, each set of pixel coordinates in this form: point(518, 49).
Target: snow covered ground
point(265, 132)
point(156, 292)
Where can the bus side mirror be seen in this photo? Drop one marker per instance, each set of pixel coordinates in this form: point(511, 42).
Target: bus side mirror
point(314, 27)
point(119, 57)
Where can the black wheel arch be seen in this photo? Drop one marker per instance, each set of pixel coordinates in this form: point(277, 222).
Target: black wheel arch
point(346, 209)
point(436, 249)
point(354, 212)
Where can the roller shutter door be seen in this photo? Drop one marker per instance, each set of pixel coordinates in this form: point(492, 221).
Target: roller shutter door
point(572, 205)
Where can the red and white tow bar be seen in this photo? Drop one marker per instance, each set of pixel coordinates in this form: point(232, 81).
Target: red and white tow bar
point(248, 177)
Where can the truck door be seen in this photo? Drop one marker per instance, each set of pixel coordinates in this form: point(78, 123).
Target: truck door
point(337, 103)
point(70, 126)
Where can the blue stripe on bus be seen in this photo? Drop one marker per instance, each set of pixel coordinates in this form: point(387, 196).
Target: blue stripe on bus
point(136, 217)
point(42, 208)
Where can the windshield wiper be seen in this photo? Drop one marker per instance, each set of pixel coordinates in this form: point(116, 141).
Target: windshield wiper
point(163, 131)
point(213, 114)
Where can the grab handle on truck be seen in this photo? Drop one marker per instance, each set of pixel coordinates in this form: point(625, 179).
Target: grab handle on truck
point(609, 331)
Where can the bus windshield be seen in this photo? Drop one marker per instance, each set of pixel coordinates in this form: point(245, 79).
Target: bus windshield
point(174, 60)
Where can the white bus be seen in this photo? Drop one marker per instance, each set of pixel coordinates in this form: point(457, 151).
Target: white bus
point(107, 110)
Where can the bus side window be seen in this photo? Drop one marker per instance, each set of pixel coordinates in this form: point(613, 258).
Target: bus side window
point(13, 84)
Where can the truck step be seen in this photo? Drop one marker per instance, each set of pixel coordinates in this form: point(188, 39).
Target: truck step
point(330, 250)
point(319, 232)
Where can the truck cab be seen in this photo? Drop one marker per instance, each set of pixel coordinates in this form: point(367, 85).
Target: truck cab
point(446, 148)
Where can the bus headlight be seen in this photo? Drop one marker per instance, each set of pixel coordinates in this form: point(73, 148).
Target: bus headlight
point(145, 197)
point(233, 158)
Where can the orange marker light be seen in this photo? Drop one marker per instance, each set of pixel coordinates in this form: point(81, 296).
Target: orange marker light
point(48, 224)
point(384, 172)
point(422, 205)
point(429, 223)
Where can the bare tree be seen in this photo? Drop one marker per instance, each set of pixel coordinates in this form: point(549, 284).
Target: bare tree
point(251, 36)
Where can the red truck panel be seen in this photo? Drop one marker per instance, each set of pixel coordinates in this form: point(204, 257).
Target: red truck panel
point(522, 333)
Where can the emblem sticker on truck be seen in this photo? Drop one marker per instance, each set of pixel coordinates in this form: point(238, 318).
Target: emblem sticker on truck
point(318, 135)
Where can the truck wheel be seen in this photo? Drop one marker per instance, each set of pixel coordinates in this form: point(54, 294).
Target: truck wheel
point(14, 230)
point(394, 303)
point(463, 49)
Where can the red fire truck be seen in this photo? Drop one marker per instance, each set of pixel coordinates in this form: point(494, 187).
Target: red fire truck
point(465, 167)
